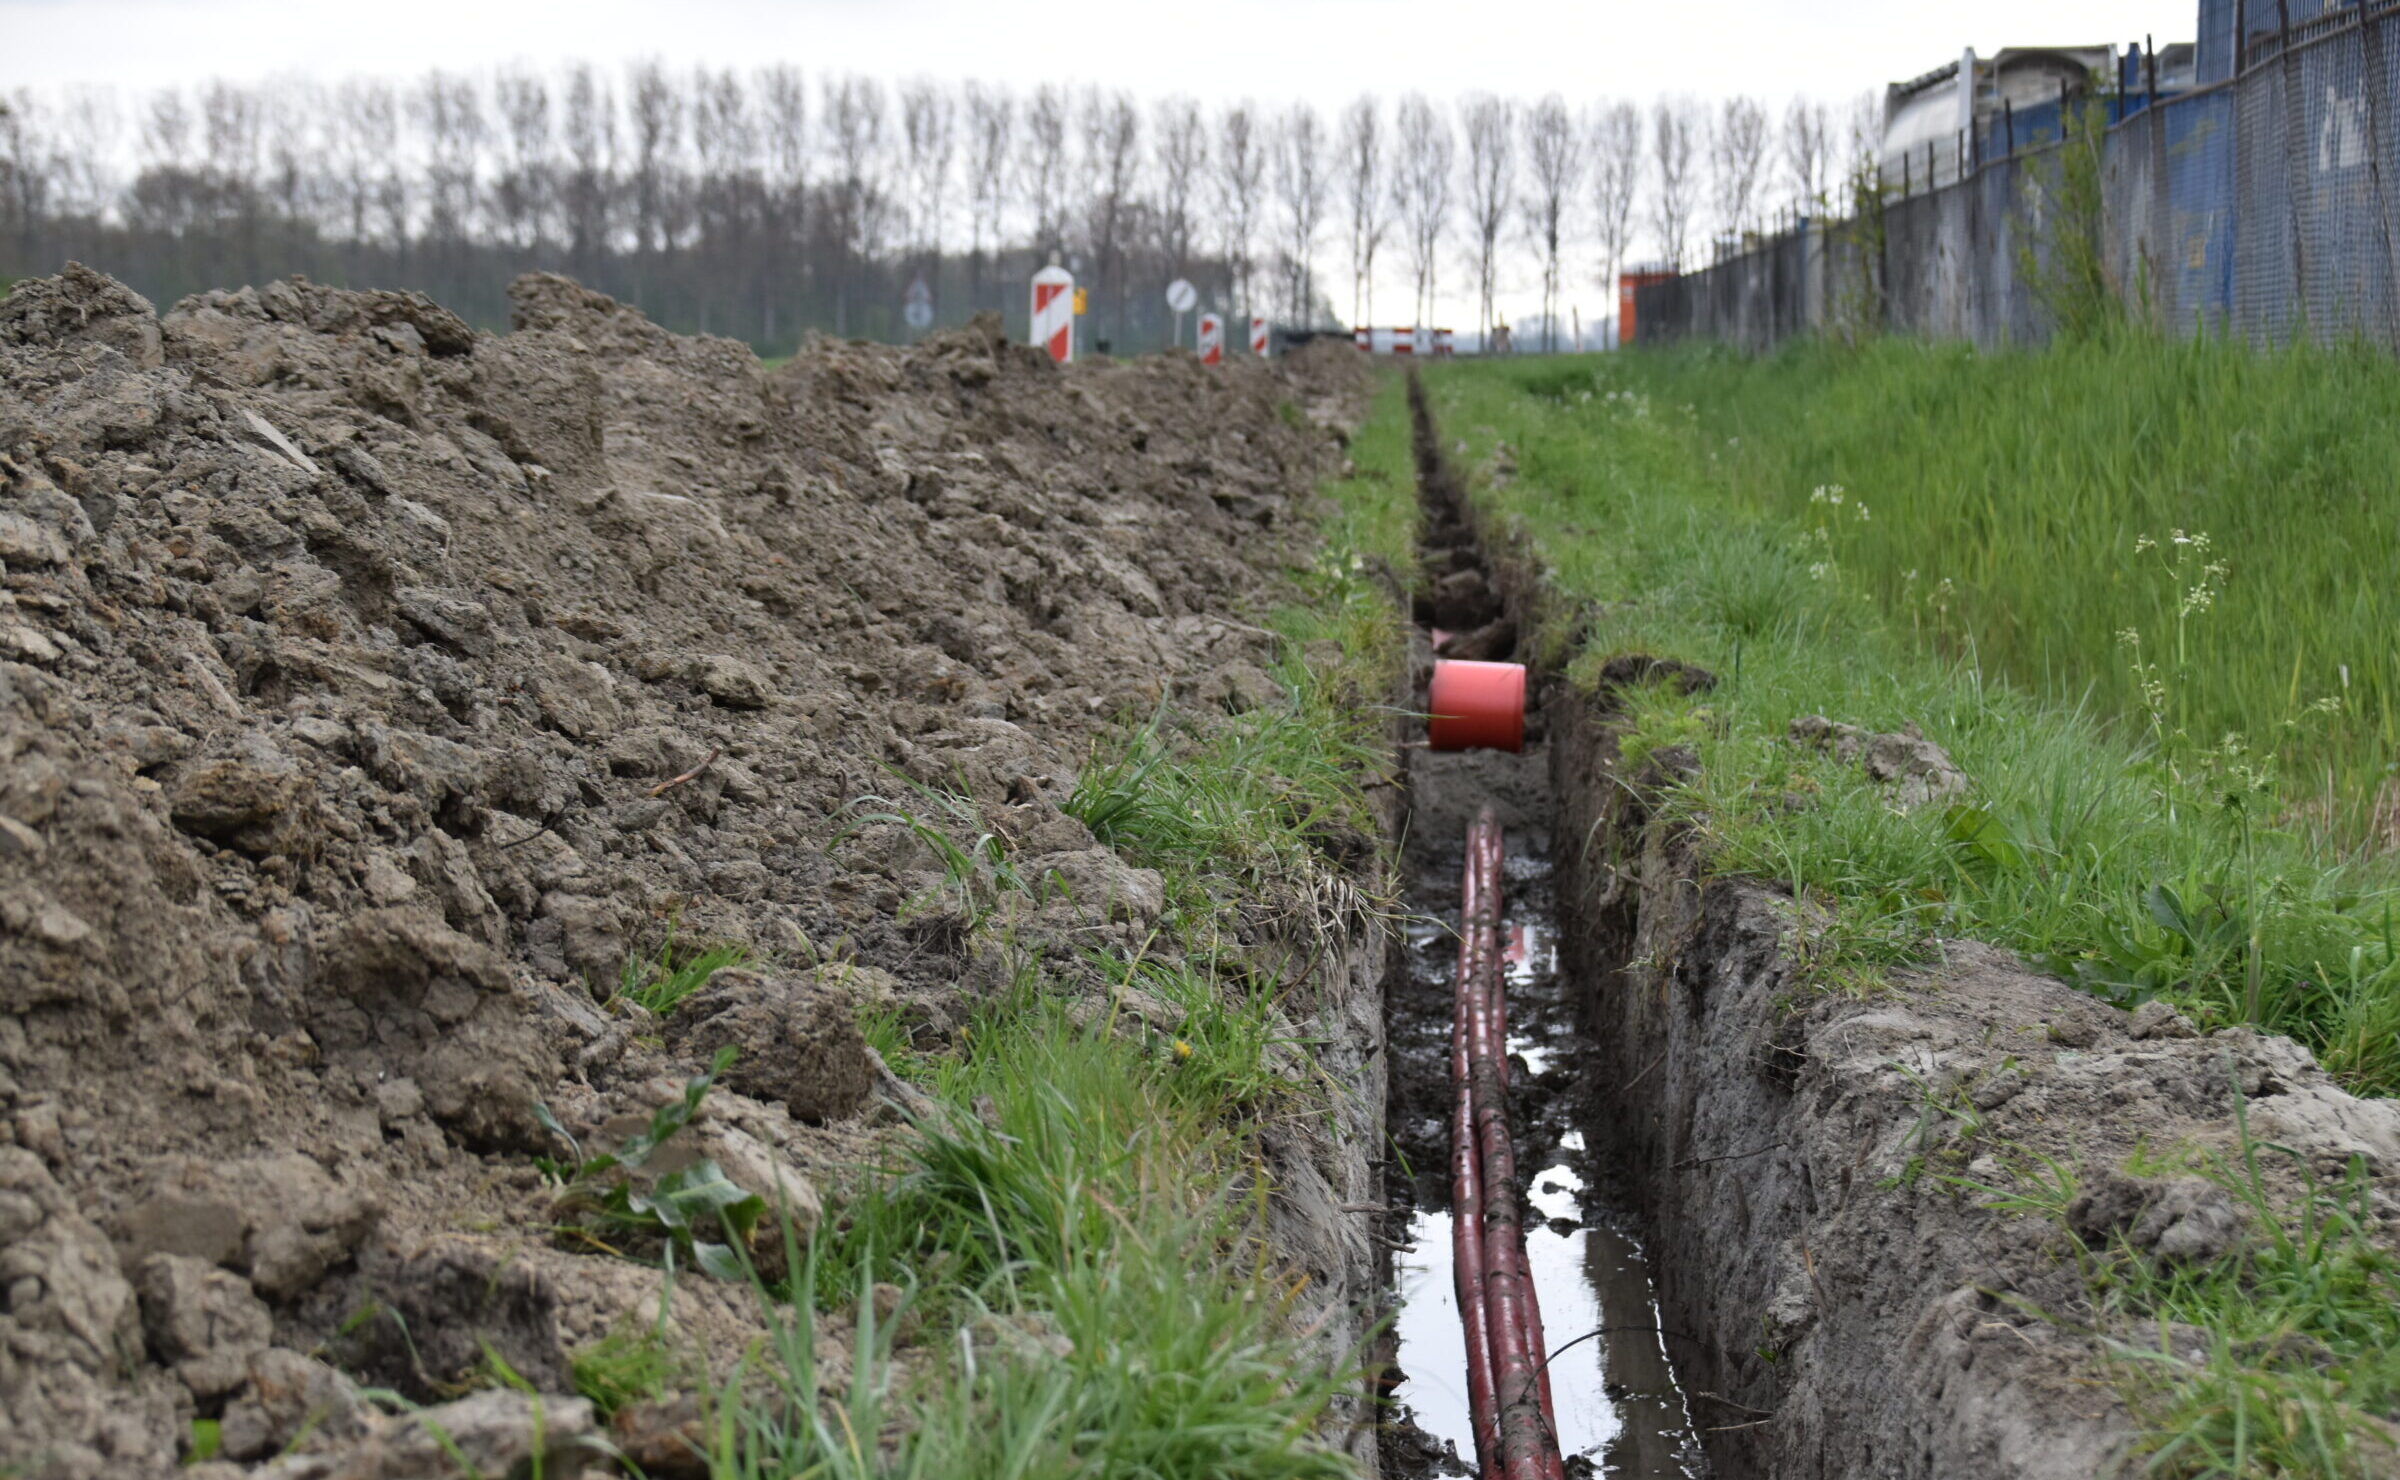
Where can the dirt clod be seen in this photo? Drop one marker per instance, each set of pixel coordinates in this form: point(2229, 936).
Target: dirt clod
point(1917, 770)
point(796, 1035)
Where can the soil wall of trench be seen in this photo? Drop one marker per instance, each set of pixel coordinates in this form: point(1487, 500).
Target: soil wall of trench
point(1834, 1308)
point(374, 690)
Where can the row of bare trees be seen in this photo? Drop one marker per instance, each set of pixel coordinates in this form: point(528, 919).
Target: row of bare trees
point(764, 203)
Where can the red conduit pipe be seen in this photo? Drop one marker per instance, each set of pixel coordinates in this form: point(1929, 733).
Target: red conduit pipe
point(1495, 1285)
point(1496, 996)
point(1466, 1201)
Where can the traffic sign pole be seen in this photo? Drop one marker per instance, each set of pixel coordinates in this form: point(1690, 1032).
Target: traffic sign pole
point(1181, 296)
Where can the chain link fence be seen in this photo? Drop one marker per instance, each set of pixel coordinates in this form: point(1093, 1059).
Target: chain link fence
point(2260, 204)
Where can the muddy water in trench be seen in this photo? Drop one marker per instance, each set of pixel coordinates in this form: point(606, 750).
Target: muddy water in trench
point(1617, 1402)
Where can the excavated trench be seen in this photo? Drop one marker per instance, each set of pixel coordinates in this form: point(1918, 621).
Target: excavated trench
point(1809, 1308)
point(1619, 1407)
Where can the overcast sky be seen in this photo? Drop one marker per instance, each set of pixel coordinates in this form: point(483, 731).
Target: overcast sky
point(1272, 50)
point(1324, 49)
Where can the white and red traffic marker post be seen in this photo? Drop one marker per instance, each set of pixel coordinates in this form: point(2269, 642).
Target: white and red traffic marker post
point(1212, 339)
point(1054, 312)
point(1258, 335)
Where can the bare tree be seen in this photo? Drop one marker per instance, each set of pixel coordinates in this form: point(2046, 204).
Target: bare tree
point(1737, 161)
point(87, 130)
point(289, 110)
point(229, 141)
point(1042, 167)
point(1112, 160)
point(929, 137)
point(1300, 182)
point(588, 191)
point(448, 112)
point(1366, 192)
point(1241, 167)
point(1490, 126)
point(1421, 191)
point(1863, 158)
point(1554, 159)
point(349, 192)
point(657, 121)
point(25, 168)
point(163, 195)
point(1179, 152)
point(991, 124)
point(727, 190)
point(784, 155)
point(166, 130)
point(521, 196)
point(854, 130)
point(378, 134)
point(1673, 121)
point(1616, 153)
point(1808, 154)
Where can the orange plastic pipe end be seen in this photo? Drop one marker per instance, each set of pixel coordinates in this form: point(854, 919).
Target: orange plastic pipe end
point(1476, 705)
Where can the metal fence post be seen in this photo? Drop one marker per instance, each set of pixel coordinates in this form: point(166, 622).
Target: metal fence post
point(2296, 161)
point(2379, 139)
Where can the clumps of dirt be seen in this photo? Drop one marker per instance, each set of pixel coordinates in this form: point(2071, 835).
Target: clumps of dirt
point(373, 690)
point(1916, 770)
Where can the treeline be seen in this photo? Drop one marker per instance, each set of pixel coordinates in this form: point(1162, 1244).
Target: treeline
point(766, 204)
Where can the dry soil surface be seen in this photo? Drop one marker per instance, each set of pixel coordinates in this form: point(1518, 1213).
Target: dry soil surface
point(373, 688)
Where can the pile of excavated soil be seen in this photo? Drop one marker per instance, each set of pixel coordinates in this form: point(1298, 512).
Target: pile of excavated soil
point(374, 689)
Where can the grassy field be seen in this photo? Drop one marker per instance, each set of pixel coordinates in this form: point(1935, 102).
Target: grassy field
point(2186, 538)
point(1072, 1261)
point(2133, 863)
point(2134, 867)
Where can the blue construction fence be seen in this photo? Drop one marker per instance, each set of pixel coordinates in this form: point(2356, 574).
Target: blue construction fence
point(2258, 203)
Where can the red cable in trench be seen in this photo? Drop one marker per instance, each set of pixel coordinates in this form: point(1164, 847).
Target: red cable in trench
point(1508, 1387)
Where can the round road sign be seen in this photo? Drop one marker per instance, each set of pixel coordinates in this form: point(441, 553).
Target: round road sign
point(1181, 295)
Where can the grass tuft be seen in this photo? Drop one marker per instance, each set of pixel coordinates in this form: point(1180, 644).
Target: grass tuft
point(660, 983)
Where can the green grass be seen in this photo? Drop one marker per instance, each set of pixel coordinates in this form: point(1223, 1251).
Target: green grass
point(1093, 1245)
point(660, 983)
point(627, 1365)
point(2010, 497)
point(2098, 847)
point(2131, 871)
point(1077, 1232)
